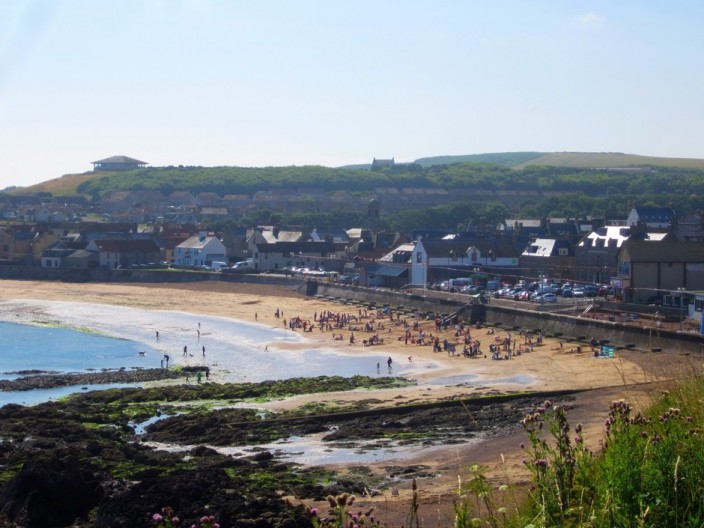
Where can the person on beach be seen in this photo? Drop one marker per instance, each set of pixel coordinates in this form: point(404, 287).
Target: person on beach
point(157, 335)
point(166, 360)
point(388, 362)
point(185, 350)
point(203, 350)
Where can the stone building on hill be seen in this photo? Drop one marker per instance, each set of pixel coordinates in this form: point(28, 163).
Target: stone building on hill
point(118, 163)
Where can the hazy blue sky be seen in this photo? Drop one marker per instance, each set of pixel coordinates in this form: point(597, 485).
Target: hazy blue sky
point(297, 82)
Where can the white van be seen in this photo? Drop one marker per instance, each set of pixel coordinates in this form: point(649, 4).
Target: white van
point(218, 265)
point(244, 264)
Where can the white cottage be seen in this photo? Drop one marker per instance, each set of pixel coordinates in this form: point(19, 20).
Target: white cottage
point(200, 250)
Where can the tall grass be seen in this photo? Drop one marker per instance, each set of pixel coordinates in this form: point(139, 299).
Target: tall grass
point(649, 473)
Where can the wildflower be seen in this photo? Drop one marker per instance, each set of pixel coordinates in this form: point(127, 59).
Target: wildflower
point(157, 518)
point(313, 512)
point(541, 462)
point(502, 510)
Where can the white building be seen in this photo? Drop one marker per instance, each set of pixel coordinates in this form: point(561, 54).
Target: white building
point(200, 250)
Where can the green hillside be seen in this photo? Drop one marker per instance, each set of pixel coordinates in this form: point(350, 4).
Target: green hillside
point(564, 172)
point(608, 160)
point(505, 159)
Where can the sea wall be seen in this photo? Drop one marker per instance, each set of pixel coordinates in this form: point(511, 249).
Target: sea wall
point(580, 330)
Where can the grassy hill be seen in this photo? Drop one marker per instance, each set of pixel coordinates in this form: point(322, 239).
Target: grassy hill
point(457, 167)
point(608, 160)
point(506, 159)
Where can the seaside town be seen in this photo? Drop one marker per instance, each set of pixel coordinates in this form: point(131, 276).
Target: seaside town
point(351, 265)
point(651, 257)
point(433, 320)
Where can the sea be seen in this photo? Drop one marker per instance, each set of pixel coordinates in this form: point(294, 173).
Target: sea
point(84, 338)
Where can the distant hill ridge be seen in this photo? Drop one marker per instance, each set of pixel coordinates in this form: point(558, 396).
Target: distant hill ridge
point(357, 175)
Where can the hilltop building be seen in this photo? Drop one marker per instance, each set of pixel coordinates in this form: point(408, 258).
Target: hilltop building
point(118, 163)
point(379, 163)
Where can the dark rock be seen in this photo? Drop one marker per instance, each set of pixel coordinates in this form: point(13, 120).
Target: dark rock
point(48, 493)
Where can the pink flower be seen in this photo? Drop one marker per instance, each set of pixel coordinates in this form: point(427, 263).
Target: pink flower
point(157, 517)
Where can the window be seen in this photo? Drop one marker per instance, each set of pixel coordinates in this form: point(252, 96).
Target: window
point(563, 252)
point(419, 257)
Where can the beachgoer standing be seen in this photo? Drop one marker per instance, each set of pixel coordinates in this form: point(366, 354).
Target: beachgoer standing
point(203, 350)
point(166, 360)
point(157, 335)
point(388, 362)
point(185, 350)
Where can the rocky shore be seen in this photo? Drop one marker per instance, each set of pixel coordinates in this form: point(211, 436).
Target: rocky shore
point(81, 463)
point(47, 380)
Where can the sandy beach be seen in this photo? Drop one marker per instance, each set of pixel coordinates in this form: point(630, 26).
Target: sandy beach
point(551, 365)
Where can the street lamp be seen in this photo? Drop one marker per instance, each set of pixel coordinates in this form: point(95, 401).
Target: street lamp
point(681, 292)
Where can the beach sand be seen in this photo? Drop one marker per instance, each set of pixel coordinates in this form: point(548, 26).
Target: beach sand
point(549, 366)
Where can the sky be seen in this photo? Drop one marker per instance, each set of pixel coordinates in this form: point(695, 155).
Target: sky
point(302, 82)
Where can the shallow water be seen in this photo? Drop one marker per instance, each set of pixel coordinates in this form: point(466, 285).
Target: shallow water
point(234, 350)
point(33, 397)
point(312, 451)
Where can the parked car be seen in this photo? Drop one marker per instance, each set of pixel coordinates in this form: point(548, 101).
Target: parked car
point(590, 290)
point(524, 295)
point(547, 298)
point(578, 291)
